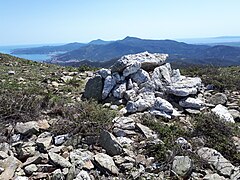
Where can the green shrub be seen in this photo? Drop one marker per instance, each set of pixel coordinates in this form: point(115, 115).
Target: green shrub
point(85, 117)
point(168, 133)
point(83, 68)
point(223, 78)
point(19, 106)
point(217, 135)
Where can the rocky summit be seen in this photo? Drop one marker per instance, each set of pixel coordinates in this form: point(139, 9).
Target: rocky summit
point(144, 82)
point(139, 119)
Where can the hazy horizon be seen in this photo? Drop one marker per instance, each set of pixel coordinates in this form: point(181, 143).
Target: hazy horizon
point(58, 21)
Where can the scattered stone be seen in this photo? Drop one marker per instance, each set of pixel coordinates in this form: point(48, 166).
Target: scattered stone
point(21, 178)
point(235, 114)
point(218, 98)
point(44, 140)
point(108, 141)
point(223, 113)
point(124, 123)
point(11, 72)
point(148, 133)
point(59, 160)
point(55, 84)
point(9, 165)
point(214, 176)
point(182, 165)
point(60, 139)
point(105, 163)
point(83, 175)
point(191, 103)
point(3, 155)
point(26, 150)
point(30, 169)
point(236, 141)
point(81, 159)
point(57, 175)
point(43, 124)
point(30, 127)
point(33, 160)
point(214, 158)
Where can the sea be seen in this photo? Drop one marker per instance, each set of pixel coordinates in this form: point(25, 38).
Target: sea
point(33, 57)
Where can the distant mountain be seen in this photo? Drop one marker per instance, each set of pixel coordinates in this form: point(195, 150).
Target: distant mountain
point(99, 42)
point(48, 49)
point(128, 45)
point(57, 49)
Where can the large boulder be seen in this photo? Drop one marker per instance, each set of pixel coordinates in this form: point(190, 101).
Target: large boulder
point(148, 61)
point(93, 88)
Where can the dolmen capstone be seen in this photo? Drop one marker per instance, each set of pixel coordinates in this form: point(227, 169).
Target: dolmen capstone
point(144, 82)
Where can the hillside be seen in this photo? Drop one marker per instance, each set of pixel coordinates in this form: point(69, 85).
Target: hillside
point(48, 49)
point(49, 129)
point(178, 52)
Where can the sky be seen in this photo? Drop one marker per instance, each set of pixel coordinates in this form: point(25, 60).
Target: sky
point(64, 21)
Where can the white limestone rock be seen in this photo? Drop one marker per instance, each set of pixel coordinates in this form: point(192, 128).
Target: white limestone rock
point(104, 72)
point(191, 103)
point(148, 61)
point(130, 95)
point(137, 106)
point(140, 76)
point(106, 163)
point(119, 90)
point(131, 68)
point(109, 83)
point(223, 113)
point(163, 105)
point(182, 165)
point(215, 158)
point(185, 87)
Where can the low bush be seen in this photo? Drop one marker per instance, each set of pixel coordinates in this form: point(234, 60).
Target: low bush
point(85, 117)
point(19, 106)
point(223, 78)
point(217, 135)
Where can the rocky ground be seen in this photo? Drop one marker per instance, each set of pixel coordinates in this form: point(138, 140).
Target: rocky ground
point(151, 122)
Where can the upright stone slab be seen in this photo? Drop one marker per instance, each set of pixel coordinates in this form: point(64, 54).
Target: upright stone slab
point(93, 88)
